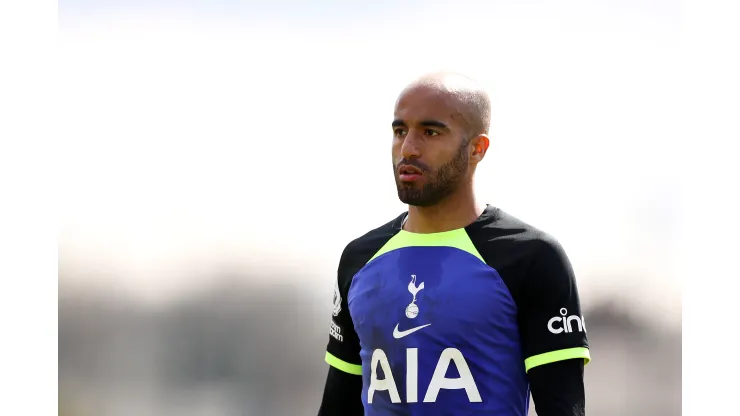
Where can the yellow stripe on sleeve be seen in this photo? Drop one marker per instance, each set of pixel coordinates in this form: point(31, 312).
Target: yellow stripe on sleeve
point(559, 355)
point(343, 365)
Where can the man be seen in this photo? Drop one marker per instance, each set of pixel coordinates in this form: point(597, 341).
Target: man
point(454, 307)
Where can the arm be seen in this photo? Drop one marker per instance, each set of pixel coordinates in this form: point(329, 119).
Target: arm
point(557, 388)
point(553, 333)
point(341, 394)
point(343, 389)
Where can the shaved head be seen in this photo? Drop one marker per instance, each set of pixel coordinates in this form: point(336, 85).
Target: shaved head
point(472, 101)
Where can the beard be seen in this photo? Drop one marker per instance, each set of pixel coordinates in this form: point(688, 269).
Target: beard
point(440, 183)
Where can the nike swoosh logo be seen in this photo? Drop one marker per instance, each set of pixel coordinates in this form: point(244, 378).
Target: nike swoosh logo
point(400, 334)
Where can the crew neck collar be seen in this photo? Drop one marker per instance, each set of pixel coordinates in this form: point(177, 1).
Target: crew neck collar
point(487, 214)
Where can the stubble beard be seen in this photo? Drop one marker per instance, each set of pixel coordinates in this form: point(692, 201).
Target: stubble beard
point(441, 183)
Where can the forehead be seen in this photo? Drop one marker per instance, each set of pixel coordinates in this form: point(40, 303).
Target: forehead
point(425, 103)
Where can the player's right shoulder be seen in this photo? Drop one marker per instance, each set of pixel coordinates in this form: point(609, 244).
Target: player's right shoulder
point(361, 249)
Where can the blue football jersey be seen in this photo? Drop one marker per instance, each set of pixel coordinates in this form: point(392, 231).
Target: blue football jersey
point(449, 323)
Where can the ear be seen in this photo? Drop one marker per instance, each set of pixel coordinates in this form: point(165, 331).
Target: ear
point(479, 147)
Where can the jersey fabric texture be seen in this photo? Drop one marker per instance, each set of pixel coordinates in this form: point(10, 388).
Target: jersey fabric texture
point(451, 322)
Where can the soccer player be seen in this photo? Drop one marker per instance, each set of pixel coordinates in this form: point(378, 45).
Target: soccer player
point(454, 307)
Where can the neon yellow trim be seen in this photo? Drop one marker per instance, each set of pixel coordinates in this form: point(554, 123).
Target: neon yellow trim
point(343, 365)
point(559, 355)
point(455, 238)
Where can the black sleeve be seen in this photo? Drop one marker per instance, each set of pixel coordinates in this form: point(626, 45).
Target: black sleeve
point(557, 388)
point(553, 332)
point(343, 389)
point(341, 394)
point(343, 348)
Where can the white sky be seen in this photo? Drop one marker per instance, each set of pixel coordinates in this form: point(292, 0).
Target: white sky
point(198, 133)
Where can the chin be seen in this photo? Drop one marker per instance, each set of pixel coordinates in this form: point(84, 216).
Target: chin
point(414, 199)
point(417, 203)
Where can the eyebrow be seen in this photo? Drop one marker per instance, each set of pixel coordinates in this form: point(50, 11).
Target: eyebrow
point(424, 123)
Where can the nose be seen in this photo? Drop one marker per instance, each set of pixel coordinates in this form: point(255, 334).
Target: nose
point(411, 147)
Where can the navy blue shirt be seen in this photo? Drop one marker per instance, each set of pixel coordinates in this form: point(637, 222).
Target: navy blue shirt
point(452, 322)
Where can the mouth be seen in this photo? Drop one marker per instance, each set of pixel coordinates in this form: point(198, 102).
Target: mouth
point(408, 173)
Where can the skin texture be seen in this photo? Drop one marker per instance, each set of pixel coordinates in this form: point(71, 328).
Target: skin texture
point(440, 126)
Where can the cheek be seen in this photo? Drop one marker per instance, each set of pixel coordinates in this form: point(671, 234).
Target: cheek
point(440, 155)
point(396, 148)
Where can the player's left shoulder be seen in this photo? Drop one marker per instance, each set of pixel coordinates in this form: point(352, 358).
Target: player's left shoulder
point(501, 236)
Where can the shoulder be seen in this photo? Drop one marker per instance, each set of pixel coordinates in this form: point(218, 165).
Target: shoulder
point(503, 230)
point(361, 249)
point(504, 240)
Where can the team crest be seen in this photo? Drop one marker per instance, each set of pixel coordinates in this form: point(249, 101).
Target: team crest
point(412, 311)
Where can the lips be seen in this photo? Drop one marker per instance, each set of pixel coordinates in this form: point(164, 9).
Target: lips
point(408, 173)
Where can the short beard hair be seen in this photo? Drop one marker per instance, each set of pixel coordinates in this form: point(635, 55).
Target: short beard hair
point(442, 184)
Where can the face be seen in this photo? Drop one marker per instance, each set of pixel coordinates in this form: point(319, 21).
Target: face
point(431, 155)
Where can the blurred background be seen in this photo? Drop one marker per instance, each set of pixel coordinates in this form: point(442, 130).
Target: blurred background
point(219, 155)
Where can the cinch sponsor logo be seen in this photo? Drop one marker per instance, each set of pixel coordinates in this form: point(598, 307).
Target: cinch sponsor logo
point(564, 323)
point(437, 383)
point(335, 331)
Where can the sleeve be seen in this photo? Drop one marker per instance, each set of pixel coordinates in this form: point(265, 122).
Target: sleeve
point(343, 349)
point(342, 394)
point(557, 388)
point(551, 323)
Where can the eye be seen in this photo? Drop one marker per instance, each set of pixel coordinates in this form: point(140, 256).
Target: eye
point(399, 131)
point(429, 132)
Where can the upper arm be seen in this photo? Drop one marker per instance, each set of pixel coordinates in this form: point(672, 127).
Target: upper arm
point(341, 394)
point(553, 332)
point(557, 388)
point(343, 348)
point(343, 391)
point(551, 321)
point(343, 388)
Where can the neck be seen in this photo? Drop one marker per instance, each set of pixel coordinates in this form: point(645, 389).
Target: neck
point(456, 211)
